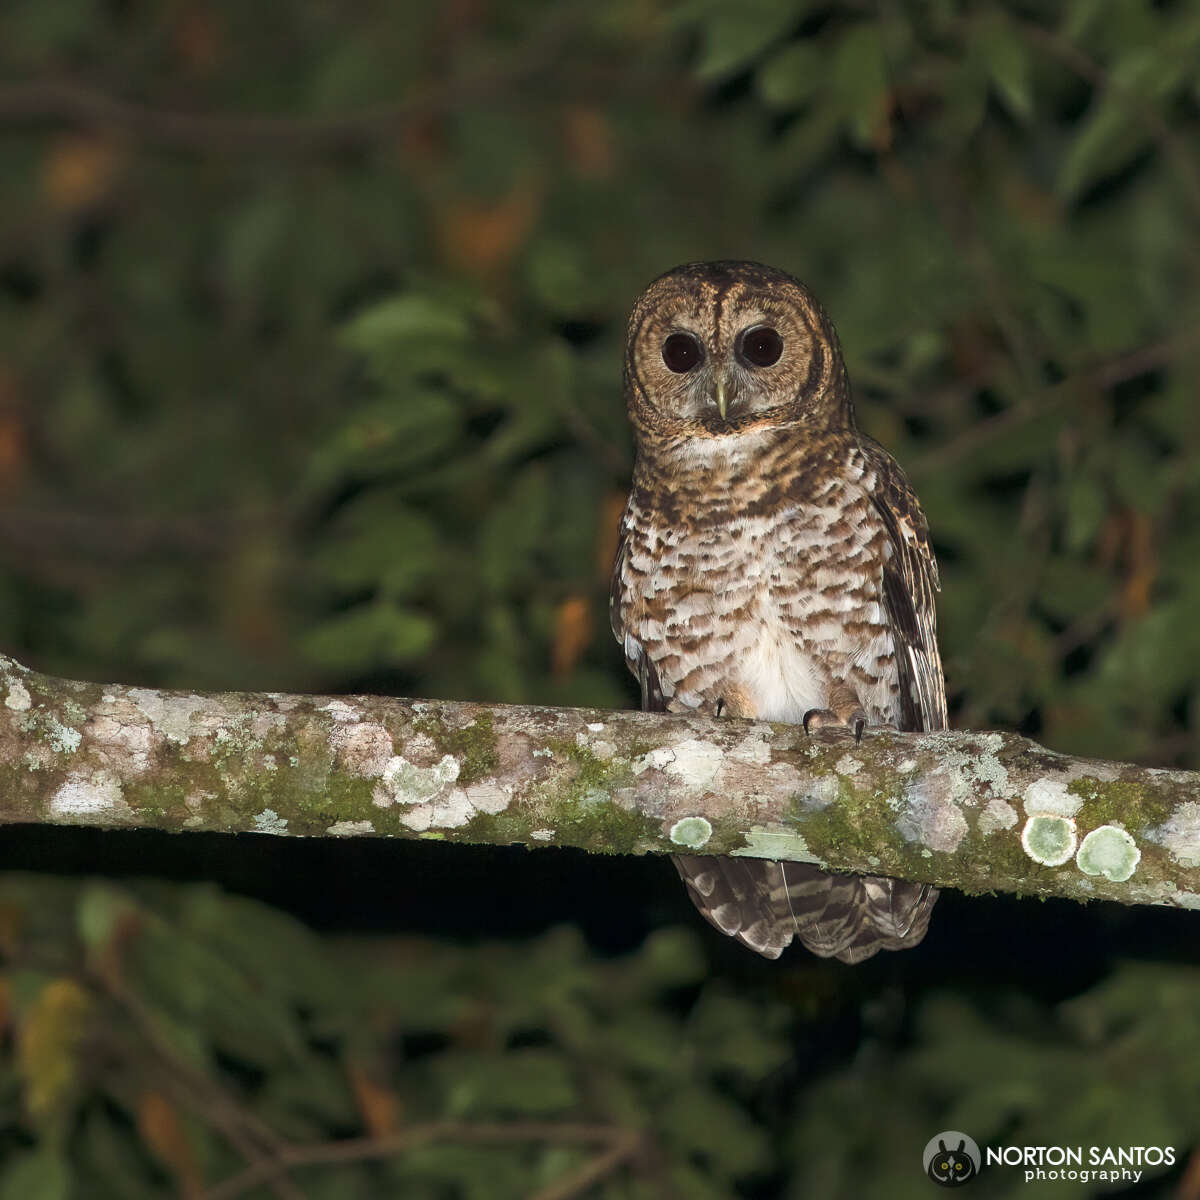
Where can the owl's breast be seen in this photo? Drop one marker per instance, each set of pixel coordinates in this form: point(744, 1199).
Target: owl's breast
point(760, 615)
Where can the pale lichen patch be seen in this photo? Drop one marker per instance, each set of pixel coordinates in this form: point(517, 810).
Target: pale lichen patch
point(340, 710)
point(18, 698)
point(130, 743)
point(987, 769)
point(403, 782)
point(350, 829)
point(968, 774)
point(269, 821)
point(362, 748)
point(1109, 851)
point(847, 765)
point(930, 818)
point(489, 797)
point(62, 738)
point(1179, 835)
point(453, 812)
point(997, 814)
point(90, 794)
point(696, 762)
point(777, 844)
point(655, 760)
point(753, 749)
point(542, 835)
point(692, 832)
point(1049, 839)
point(1050, 796)
point(172, 716)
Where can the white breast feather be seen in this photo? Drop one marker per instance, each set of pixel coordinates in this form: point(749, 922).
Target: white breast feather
point(780, 680)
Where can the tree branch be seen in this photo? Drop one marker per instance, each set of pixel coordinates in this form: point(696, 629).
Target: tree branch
point(975, 811)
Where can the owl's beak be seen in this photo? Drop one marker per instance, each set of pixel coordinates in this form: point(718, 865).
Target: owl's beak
point(722, 393)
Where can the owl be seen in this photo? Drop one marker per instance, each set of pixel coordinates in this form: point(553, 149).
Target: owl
point(773, 563)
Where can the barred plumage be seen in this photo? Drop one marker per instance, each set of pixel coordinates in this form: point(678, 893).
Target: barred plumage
point(773, 563)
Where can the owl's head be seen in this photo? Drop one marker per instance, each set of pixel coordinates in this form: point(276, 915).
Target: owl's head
point(723, 348)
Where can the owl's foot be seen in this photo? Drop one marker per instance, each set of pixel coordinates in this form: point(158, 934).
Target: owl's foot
point(829, 718)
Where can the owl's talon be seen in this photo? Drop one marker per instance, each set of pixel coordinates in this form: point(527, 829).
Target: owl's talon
point(819, 718)
point(828, 718)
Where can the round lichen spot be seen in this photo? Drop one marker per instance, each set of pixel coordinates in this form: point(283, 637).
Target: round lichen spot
point(1049, 840)
point(1109, 851)
point(692, 832)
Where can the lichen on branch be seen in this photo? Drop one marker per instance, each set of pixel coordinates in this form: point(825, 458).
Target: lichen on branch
point(975, 811)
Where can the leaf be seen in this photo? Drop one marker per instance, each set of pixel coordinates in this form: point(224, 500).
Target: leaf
point(521, 1082)
point(162, 1130)
point(1087, 506)
point(791, 77)
point(41, 1174)
point(510, 534)
point(404, 318)
point(407, 431)
point(1110, 136)
point(379, 1105)
point(51, 1033)
point(702, 1123)
point(572, 633)
point(732, 35)
point(102, 914)
point(964, 101)
point(378, 543)
point(670, 958)
point(377, 634)
point(738, 1037)
point(1009, 63)
point(859, 83)
point(1118, 127)
point(1082, 15)
point(79, 172)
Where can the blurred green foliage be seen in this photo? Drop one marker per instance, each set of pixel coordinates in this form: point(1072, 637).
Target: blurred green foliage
point(310, 339)
point(167, 1036)
point(309, 356)
point(147, 1023)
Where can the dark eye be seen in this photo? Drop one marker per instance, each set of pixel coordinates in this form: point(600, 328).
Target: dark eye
point(681, 352)
point(762, 346)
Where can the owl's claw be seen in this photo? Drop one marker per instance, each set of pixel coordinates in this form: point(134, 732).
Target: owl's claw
point(826, 718)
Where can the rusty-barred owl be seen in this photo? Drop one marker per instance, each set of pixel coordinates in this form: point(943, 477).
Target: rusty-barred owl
point(773, 563)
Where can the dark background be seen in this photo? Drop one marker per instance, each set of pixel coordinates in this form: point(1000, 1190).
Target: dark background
point(310, 336)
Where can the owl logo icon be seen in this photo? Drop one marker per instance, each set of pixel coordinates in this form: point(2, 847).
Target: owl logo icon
point(951, 1158)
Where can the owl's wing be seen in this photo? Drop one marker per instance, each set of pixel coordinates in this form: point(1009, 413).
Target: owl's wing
point(910, 581)
point(636, 658)
point(850, 917)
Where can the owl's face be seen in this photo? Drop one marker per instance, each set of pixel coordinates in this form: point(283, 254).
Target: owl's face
point(716, 349)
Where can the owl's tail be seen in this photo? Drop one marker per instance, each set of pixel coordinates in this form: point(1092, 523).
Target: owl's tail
point(765, 904)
